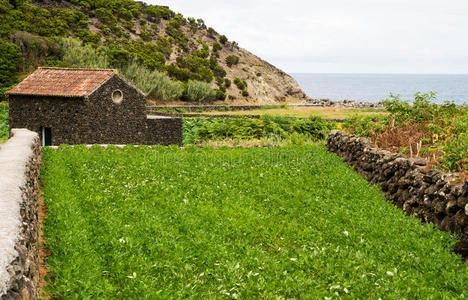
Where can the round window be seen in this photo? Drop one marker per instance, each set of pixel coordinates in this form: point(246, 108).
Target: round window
point(117, 96)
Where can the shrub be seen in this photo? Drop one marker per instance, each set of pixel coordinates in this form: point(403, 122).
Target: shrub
point(10, 58)
point(227, 82)
point(216, 47)
point(200, 91)
point(266, 127)
point(245, 93)
point(241, 84)
point(77, 55)
point(157, 85)
point(219, 81)
point(223, 39)
point(211, 32)
point(220, 94)
point(232, 60)
point(231, 97)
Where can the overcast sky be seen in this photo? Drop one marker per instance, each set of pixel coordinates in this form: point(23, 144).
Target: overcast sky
point(343, 36)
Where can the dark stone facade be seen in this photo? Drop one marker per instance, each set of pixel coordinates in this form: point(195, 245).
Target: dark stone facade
point(428, 194)
point(163, 130)
point(95, 119)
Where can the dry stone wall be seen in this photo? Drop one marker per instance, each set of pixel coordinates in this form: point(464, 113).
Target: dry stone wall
point(20, 159)
point(428, 194)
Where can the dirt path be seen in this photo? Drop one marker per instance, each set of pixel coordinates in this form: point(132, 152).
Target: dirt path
point(43, 252)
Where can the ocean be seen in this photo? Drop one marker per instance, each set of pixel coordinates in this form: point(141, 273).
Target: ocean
point(376, 87)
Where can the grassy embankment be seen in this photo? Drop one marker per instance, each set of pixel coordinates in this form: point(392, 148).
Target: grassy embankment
point(3, 122)
point(292, 222)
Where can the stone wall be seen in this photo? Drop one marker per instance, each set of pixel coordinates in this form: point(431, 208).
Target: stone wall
point(20, 159)
point(428, 194)
point(202, 108)
point(164, 131)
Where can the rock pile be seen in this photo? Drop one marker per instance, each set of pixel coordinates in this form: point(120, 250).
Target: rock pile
point(428, 194)
point(343, 103)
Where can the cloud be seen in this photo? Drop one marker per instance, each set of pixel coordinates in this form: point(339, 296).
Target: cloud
point(375, 36)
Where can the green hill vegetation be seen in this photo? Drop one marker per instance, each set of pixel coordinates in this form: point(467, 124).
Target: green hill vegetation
point(165, 54)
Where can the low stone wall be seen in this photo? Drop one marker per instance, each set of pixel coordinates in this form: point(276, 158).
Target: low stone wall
point(20, 159)
point(202, 108)
point(186, 115)
point(428, 194)
point(164, 131)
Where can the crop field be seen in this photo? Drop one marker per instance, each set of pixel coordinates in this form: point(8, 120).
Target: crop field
point(291, 222)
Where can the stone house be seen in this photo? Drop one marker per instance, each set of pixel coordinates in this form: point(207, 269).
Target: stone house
point(87, 106)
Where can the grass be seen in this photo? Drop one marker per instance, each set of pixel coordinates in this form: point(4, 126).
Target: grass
point(336, 113)
point(4, 134)
point(293, 222)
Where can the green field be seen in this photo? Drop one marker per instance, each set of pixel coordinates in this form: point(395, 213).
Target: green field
point(163, 222)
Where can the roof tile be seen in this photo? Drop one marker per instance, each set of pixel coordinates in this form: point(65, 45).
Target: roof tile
point(62, 82)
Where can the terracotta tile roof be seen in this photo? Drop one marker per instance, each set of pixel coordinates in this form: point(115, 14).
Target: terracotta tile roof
point(62, 82)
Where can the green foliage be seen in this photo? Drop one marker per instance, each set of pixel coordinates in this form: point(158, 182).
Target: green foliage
point(211, 32)
point(223, 39)
point(455, 155)
point(217, 47)
point(220, 94)
point(293, 222)
point(446, 124)
point(4, 127)
point(194, 67)
point(149, 54)
point(158, 85)
point(232, 97)
point(10, 58)
point(245, 93)
point(156, 13)
point(366, 126)
point(173, 30)
point(241, 84)
point(219, 81)
point(77, 55)
point(227, 82)
point(200, 91)
point(232, 60)
point(246, 128)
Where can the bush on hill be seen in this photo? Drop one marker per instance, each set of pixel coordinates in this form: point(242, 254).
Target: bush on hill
point(199, 91)
point(232, 60)
point(10, 57)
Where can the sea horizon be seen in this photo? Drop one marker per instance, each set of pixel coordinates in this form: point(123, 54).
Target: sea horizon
point(375, 87)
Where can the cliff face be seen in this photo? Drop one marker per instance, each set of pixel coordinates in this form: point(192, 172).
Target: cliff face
point(156, 31)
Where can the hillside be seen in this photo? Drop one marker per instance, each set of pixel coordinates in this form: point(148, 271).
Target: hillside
point(121, 32)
